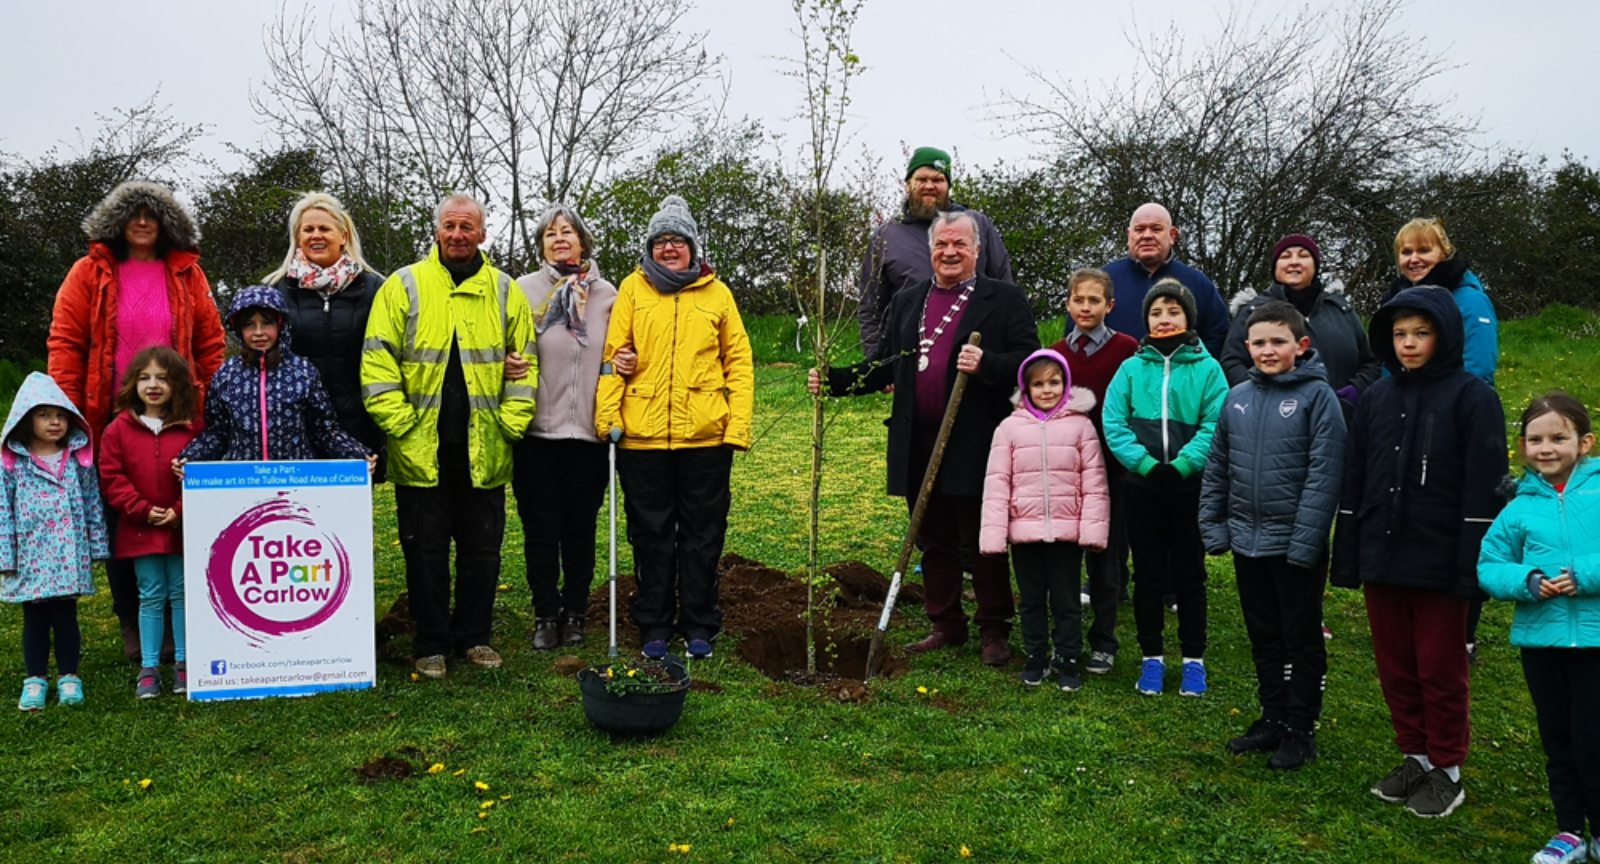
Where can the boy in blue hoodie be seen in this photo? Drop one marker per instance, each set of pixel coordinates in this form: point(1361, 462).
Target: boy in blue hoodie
point(1427, 449)
point(1161, 411)
point(1270, 493)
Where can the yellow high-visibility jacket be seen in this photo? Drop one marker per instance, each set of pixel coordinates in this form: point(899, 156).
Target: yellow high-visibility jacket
point(416, 314)
point(695, 381)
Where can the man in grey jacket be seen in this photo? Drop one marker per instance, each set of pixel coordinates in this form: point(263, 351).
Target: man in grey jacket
point(897, 257)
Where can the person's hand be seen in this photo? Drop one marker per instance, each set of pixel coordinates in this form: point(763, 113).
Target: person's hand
point(177, 467)
point(1348, 393)
point(1164, 474)
point(625, 362)
point(1563, 584)
point(372, 464)
point(168, 516)
point(967, 361)
point(814, 382)
point(516, 367)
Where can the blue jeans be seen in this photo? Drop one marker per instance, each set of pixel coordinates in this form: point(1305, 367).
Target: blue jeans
point(160, 584)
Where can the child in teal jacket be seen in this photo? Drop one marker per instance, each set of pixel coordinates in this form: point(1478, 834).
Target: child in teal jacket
point(1161, 411)
point(1543, 552)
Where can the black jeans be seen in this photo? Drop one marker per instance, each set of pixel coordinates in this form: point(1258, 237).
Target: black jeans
point(1168, 556)
point(1047, 583)
point(429, 518)
point(677, 505)
point(1108, 570)
point(560, 486)
point(1282, 606)
point(39, 619)
point(1565, 686)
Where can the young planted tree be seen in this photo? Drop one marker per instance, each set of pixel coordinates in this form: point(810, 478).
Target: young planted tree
point(825, 68)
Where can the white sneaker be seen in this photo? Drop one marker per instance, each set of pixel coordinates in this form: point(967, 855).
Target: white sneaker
point(1563, 848)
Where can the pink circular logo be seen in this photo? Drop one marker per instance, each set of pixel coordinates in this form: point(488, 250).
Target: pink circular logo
point(272, 572)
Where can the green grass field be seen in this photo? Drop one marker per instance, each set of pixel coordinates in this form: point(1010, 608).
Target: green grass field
point(949, 757)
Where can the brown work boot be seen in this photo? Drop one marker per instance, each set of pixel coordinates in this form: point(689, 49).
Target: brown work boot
point(934, 641)
point(995, 651)
point(129, 625)
point(571, 628)
point(546, 634)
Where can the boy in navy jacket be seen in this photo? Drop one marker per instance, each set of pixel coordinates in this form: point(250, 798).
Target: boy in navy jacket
point(1427, 450)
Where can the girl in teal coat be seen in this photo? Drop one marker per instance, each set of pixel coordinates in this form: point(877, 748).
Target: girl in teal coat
point(1544, 553)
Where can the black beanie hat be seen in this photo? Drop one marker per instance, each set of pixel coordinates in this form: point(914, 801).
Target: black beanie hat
point(1175, 290)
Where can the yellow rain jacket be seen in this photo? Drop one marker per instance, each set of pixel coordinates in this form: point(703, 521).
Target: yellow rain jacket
point(695, 381)
point(414, 317)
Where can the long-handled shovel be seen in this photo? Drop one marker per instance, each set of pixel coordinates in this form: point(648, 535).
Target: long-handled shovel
point(615, 436)
point(875, 651)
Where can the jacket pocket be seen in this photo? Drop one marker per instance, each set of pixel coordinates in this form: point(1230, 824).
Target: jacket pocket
point(636, 411)
point(708, 413)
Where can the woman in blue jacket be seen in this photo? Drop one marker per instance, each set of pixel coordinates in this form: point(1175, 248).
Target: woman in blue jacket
point(1544, 553)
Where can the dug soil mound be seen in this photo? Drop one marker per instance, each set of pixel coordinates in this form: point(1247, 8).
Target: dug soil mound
point(765, 608)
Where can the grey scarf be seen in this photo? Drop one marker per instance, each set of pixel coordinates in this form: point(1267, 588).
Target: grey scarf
point(671, 281)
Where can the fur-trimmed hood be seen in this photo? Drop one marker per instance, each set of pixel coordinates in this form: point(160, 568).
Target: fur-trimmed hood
point(111, 216)
point(1245, 295)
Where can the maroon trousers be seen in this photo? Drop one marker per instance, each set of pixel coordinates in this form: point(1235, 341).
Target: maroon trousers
point(1419, 641)
point(949, 523)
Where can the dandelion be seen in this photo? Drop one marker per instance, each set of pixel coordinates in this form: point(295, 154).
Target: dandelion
point(486, 805)
point(478, 830)
point(505, 586)
point(459, 773)
point(435, 768)
point(730, 821)
point(505, 797)
point(922, 690)
point(965, 852)
point(676, 847)
point(481, 786)
point(1234, 712)
point(145, 783)
point(483, 815)
point(415, 677)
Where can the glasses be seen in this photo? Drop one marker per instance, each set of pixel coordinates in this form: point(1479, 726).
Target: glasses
point(673, 242)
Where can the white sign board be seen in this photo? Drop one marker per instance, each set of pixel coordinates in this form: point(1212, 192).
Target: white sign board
point(277, 568)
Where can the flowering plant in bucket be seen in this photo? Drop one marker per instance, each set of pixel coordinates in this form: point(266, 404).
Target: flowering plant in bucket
point(640, 697)
point(642, 676)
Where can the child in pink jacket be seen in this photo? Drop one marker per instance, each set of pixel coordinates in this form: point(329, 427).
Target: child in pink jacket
point(1046, 493)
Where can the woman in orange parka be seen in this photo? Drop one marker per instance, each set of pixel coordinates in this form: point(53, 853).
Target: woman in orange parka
point(140, 285)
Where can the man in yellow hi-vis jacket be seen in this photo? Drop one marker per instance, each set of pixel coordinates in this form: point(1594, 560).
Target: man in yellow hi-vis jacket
point(432, 377)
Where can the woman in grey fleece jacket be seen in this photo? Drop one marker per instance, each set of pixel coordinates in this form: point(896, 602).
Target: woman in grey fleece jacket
point(561, 467)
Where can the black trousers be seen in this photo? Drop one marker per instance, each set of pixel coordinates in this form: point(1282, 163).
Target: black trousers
point(560, 486)
point(1282, 607)
point(120, 578)
point(1108, 570)
point(677, 505)
point(1168, 557)
point(429, 518)
point(1565, 686)
point(41, 618)
point(1050, 610)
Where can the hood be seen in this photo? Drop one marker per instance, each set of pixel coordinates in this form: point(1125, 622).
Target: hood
point(111, 216)
point(259, 297)
point(40, 389)
point(1025, 404)
point(1276, 291)
point(1308, 368)
point(1438, 304)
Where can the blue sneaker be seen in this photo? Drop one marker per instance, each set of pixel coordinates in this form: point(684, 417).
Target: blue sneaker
point(699, 649)
point(655, 649)
point(1563, 848)
point(33, 690)
point(69, 690)
point(1150, 676)
point(1194, 679)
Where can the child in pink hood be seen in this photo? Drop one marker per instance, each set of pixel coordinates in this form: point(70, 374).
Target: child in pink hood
point(1045, 493)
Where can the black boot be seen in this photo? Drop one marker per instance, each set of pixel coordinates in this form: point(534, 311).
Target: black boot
point(1263, 736)
point(546, 634)
point(571, 628)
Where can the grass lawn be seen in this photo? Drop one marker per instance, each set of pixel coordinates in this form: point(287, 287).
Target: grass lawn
point(949, 757)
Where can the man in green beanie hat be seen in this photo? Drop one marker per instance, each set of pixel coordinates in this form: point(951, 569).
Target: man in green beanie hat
point(897, 258)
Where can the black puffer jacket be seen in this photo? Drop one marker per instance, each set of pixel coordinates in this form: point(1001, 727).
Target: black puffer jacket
point(1333, 325)
point(329, 332)
point(1427, 449)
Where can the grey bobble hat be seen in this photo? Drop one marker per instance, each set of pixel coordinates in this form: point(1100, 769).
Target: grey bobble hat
point(1175, 290)
point(674, 218)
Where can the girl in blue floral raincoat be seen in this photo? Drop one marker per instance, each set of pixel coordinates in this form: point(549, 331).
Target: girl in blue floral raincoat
point(52, 527)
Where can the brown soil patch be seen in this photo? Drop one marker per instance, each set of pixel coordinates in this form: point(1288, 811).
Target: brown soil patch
point(568, 665)
point(698, 686)
point(765, 609)
point(384, 768)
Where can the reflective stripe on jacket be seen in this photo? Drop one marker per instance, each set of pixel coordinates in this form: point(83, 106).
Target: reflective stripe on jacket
point(417, 313)
point(695, 381)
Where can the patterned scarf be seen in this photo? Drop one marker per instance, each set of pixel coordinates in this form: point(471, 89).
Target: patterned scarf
point(327, 281)
point(566, 305)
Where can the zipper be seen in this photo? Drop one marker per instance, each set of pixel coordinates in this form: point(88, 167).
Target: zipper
point(1044, 463)
point(1166, 391)
point(1427, 444)
point(1566, 540)
point(262, 390)
point(672, 371)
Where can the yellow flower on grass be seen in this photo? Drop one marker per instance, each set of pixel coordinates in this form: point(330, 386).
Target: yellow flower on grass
point(505, 587)
point(144, 784)
point(481, 786)
point(922, 690)
point(730, 821)
point(459, 773)
point(675, 847)
point(965, 852)
point(505, 797)
point(483, 815)
point(436, 768)
point(486, 805)
point(415, 677)
point(478, 830)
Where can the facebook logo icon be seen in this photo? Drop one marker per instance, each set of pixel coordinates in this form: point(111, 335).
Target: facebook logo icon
point(219, 667)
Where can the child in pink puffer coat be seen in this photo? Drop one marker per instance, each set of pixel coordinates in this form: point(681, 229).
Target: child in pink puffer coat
point(1046, 493)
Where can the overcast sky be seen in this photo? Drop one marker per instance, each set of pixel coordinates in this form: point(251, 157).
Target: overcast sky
point(934, 65)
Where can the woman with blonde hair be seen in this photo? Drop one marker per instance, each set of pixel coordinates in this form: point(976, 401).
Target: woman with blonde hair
point(1425, 256)
point(327, 289)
